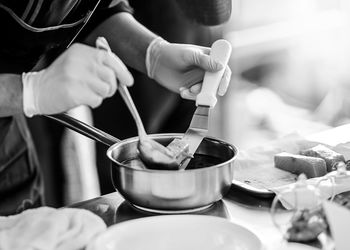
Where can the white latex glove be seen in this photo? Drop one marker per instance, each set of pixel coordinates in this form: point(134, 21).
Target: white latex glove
point(82, 75)
point(181, 67)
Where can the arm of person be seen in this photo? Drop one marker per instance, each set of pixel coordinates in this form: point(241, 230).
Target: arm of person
point(127, 38)
point(10, 95)
point(81, 75)
point(177, 67)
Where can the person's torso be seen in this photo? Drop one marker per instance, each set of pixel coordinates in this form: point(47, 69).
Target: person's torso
point(33, 33)
point(34, 28)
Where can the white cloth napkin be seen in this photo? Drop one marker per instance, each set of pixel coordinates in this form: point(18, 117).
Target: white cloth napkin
point(48, 228)
point(326, 190)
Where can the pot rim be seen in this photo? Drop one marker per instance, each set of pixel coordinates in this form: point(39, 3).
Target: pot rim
point(135, 138)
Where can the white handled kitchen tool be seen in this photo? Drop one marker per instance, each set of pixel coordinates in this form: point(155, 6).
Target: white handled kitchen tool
point(206, 99)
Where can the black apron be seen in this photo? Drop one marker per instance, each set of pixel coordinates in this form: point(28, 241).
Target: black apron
point(22, 48)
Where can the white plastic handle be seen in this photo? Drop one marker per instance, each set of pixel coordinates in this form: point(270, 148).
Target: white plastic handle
point(220, 51)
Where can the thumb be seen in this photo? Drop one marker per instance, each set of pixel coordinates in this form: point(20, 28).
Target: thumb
point(205, 62)
point(185, 93)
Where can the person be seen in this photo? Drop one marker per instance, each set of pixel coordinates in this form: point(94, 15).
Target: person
point(49, 64)
point(168, 113)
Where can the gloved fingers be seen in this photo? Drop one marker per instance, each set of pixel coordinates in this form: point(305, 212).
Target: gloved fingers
point(99, 87)
point(193, 76)
point(108, 78)
point(225, 81)
point(79, 95)
point(204, 61)
point(186, 94)
point(205, 50)
point(196, 88)
point(90, 98)
point(121, 71)
point(94, 101)
point(191, 92)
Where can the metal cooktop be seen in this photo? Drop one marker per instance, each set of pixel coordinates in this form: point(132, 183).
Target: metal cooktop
point(112, 208)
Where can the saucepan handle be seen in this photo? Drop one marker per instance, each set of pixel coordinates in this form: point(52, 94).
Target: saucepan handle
point(84, 129)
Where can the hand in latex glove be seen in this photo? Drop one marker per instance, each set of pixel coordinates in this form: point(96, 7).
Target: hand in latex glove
point(181, 67)
point(82, 75)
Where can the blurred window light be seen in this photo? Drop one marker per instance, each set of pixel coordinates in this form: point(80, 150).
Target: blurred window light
point(251, 13)
point(258, 26)
point(306, 44)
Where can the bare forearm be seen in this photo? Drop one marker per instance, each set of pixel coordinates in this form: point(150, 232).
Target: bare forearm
point(10, 95)
point(127, 38)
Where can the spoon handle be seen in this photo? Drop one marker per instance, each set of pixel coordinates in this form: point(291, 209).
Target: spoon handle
point(124, 92)
point(101, 43)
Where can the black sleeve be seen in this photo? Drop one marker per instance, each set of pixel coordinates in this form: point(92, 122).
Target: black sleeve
point(106, 9)
point(114, 6)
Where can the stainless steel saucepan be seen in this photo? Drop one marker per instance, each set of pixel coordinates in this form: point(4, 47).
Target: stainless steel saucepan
point(206, 179)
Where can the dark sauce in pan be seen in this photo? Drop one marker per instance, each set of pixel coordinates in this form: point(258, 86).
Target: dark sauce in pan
point(203, 161)
point(199, 161)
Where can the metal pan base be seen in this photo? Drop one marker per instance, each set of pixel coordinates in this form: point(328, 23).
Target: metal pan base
point(184, 211)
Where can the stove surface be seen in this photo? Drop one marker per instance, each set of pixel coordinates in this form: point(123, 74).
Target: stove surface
point(113, 209)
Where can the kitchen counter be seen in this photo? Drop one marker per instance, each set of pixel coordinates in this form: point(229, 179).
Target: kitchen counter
point(237, 206)
point(240, 207)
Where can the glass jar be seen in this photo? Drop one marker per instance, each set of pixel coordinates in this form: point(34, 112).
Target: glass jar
point(297, 212)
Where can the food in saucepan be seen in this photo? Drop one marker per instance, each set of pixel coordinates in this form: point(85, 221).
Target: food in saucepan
point(156, 156)
point(320, 151)
point(298, 164)
point(197, 161)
